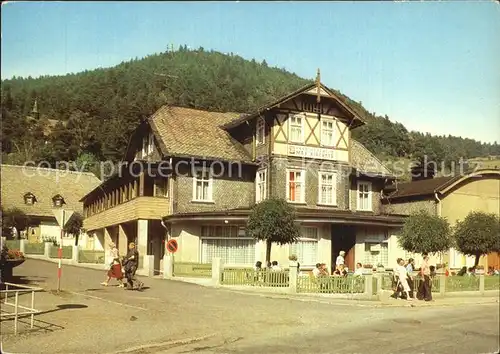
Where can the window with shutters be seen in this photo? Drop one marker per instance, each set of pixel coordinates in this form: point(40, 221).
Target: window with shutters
point(327, 188)
point(230, 243)
point(295, 181)
point(306, 249)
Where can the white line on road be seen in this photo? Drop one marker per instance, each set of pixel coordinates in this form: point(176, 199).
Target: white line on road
point(163, 344)
point(110, 301)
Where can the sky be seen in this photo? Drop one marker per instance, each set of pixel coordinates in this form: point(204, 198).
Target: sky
point(431, 65)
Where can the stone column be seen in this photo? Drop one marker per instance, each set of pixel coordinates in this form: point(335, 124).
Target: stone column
point(293, 277)
point(168, 266)
point(46, 252)
point(122, 241)
point(148, 265)
point(217, 271)
point(368, 284)
point(75, 254)
point(142, 238)
point(481, 284)
point(442, 284)
point(107, 240)
point(22, 245)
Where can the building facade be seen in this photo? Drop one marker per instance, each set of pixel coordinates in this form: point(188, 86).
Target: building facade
point(453, 198)
point(194, 176)
point(38, 191)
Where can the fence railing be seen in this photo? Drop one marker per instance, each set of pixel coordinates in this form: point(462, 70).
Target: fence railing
point(250, 276)
point(91, 256)
point(67, 252)
point(331, 284)
point(14, 291)
point(34, 248)
point(13, 244)
point(191, 269)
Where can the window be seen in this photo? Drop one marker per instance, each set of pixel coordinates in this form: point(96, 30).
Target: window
point(306, 249)
point(29, 198)
point(202, 186)
point(376, 253)
point(295, 191)
point(144, 147)
point(227, 242)
point(260, 131)
point(150, 143)
point(297, 128)
point(160, 187)
point(327, 188)
point(364, 196)
point(58, 200)
point(260, 183)
point(327, 133)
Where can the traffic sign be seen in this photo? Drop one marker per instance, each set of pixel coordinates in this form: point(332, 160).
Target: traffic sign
point(62, 216)
point(172, 246)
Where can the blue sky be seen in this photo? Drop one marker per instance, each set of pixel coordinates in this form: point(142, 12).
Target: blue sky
point(431, 65)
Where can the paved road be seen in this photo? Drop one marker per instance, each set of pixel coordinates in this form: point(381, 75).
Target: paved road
point(88, 318)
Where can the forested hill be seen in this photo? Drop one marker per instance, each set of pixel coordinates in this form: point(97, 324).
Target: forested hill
point(101, 107)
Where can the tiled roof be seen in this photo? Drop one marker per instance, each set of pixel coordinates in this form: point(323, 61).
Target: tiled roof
point(192, 132)
point(365, 162)
point(44, 184)
point(419, 188)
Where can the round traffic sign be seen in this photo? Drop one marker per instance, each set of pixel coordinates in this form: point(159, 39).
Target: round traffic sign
point(172, 246)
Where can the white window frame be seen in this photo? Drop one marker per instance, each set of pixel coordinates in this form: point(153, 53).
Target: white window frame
point(369, 196)
point(208, 180)
point(302, 183)
point(322, 130)
point(261, 181)
point(303, 239)
point(150, 143)
point(302, 119)
point(260, 131)
point(334, 188)
point(226, 235)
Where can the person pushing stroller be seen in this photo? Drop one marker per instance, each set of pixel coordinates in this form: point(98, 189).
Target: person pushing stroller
point(130, 265)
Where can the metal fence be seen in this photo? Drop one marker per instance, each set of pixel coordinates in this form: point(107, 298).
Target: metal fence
point(188, 269)
point(14, 291)
point(67, 252)
point(13, 244)
point(331, 284)
point(91, 256)
point(249, 276)
point(34, 248)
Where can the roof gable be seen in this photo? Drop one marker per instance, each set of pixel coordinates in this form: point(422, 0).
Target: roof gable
point(310, 89)
point(365, 162)
point(44, 184)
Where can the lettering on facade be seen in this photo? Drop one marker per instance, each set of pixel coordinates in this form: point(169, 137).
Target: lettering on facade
point(312, 152)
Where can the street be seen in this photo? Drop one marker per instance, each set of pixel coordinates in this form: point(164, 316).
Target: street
point(176, 317)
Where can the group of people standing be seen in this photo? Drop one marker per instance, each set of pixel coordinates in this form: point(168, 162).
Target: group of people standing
point(405, 281)
point(121, 267)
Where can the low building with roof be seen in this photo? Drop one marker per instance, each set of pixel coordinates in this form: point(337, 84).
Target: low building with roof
point(38, 191)
point(452, 197)
point(193, 176)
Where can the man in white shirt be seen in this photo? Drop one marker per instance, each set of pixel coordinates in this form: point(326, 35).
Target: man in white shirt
point(340, 259)
point(359, 269)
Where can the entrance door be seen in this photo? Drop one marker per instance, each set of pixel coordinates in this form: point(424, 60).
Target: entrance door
point(344, 239)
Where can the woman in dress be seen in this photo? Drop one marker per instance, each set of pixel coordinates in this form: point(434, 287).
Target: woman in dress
point(115, 270)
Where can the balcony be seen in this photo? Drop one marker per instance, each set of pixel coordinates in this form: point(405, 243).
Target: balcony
point(152, 208)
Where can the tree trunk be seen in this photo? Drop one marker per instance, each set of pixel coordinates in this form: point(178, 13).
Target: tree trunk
point(476, 262)
point(268, 251)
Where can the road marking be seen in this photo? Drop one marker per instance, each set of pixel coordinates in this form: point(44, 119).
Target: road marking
point(163, 344)
point(110, 301)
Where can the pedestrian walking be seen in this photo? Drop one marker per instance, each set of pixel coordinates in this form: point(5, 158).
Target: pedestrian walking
point(402, 276)
point(131, 263)
point(410, 267)
point(115, 268)
point(424, 290)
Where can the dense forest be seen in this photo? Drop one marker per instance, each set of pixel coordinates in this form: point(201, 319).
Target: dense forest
point(98, 109)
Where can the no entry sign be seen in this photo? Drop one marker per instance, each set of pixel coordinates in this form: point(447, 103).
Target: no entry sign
point(172, 246)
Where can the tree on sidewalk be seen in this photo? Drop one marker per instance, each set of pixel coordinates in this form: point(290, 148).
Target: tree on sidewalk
point(478, 234)
point(273, 221)
point(74, 226)
point(14, 217)
point(425, 233)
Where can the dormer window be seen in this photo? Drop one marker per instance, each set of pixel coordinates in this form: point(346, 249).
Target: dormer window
point(29, 198)
point(58, 201)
